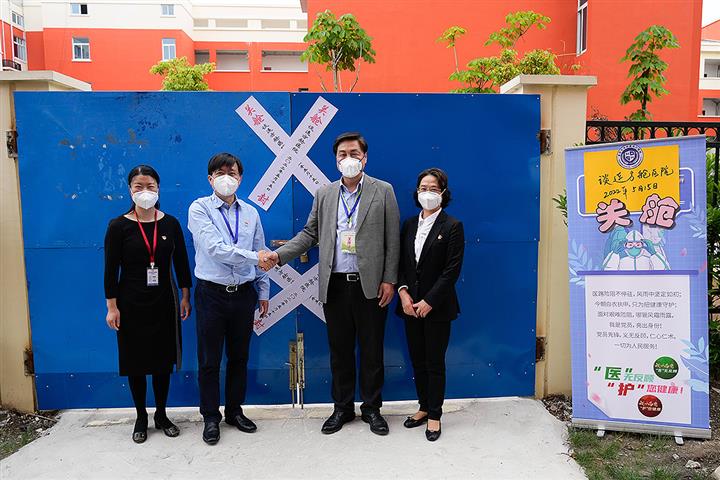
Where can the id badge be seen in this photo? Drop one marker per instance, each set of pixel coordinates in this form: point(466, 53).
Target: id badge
point(347, 242)
point(153, 277)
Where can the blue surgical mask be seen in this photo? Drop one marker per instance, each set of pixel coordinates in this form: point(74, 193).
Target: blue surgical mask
point(634, 252)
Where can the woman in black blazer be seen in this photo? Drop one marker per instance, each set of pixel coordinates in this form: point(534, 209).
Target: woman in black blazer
point(431, 254)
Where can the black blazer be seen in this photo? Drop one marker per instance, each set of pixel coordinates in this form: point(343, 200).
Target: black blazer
point(433, 277)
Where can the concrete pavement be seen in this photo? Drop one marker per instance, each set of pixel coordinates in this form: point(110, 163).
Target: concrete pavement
point(508, 438)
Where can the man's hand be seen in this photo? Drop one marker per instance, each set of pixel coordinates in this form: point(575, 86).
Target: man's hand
point(385, 294)
point(267, 260)
point(264, 304)
point(422, 308)
point(407, 303)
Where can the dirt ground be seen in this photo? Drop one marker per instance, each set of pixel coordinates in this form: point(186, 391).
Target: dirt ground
point(18, 429)
point(636, 456)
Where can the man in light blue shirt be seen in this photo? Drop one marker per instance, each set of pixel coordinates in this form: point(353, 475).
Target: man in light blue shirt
point(228, 237)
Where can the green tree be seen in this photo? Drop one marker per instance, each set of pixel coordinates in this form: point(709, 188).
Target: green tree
point(339, 44)
point(646, 69)
point(450, 36)
point(486, 74)
point(181, 76)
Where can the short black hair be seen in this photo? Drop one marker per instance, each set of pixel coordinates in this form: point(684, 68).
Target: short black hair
point(349, 137)
point(224, 159)
point(442, 179)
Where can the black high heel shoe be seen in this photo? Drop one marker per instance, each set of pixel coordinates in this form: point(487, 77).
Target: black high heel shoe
point(163, 423)
point(140, 431)
point(411, 422)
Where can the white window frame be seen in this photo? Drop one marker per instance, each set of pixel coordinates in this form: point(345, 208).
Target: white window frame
point(581, 27)
point(18, 19)
point(22, 47)
point(166, 44)
point(79, 8)
point(77, 43)
point(170, 7)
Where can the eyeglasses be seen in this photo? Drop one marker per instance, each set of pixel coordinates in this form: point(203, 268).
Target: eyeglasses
point(430, 189)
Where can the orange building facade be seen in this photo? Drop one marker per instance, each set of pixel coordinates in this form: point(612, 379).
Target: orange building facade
point(257, 48)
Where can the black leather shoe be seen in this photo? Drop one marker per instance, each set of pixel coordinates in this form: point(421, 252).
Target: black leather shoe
point(211, 432)
point(336, 421)
point(140, 431)
point(410, 422)
point(243, 423)
point(163, 423)
point(378, 425)
point(432, 435)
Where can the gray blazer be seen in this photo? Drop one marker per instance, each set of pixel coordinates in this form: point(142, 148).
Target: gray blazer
point(377, 237)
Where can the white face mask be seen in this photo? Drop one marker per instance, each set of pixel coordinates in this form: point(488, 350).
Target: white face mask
point(145, 199)
point(350, 167)
point(430, 200)
point(225, 185)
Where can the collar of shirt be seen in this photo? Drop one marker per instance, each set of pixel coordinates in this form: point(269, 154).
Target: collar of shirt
point(428, 220)
point(357, 189)
point(217, 202)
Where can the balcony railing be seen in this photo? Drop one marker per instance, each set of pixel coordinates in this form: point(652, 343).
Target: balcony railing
point(11, 65)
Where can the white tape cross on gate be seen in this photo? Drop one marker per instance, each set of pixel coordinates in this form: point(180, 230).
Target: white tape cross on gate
point(291, 159)
point(291, 151)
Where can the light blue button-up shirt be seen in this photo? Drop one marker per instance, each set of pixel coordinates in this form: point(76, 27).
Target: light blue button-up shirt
point(217, 258)
point(346, 262)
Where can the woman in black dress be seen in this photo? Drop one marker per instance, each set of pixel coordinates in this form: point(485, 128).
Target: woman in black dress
point(142, 296)
point(432, 245)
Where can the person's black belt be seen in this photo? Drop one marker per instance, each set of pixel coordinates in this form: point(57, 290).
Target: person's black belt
point(348, 277)
point(224, 288)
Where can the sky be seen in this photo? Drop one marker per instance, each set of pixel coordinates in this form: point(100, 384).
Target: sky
point(711, 11)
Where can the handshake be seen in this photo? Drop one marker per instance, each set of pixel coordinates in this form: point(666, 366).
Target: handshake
point(267, 260)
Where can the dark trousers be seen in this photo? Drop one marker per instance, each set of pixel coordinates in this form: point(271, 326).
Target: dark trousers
point(351, 318)
point(223, 318)
point(428, 342)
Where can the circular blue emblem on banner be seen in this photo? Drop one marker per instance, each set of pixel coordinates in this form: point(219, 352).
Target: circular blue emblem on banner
point(629, 156)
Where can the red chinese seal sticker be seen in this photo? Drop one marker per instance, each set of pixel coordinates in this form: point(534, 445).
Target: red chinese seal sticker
point(650, 405)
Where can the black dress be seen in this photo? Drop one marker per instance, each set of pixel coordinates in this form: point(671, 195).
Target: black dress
point(149, 338)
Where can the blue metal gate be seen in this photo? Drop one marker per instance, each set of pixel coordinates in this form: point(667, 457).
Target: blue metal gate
point(75, 152)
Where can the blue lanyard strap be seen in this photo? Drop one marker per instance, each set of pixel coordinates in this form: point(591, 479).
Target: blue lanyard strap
point(350, 212)
point(235, 235)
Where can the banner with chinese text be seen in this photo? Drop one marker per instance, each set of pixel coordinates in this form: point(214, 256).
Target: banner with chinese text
point(638, 285)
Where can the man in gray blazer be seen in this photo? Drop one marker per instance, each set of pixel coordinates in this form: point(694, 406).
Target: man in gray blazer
point(356, 222)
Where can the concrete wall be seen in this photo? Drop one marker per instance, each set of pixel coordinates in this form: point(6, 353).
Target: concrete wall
point(563, 103)
point(17, 390)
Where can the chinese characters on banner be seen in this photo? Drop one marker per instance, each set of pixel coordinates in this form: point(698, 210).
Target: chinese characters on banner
point(291, 159)
point(638, 285)
point(291, 151)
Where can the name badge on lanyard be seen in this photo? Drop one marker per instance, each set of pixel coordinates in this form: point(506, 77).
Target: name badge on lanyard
point(153, 274)
point(347, 237)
